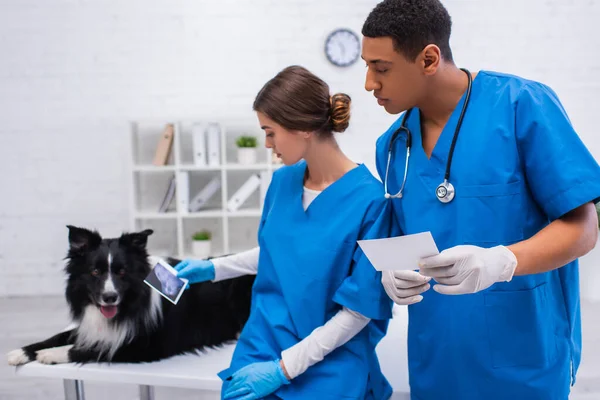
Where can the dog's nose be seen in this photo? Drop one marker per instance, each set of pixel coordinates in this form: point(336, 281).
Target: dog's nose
point(110, 297)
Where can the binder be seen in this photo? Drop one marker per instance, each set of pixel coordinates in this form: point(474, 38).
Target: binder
point(213, 141)
point(183, 190)
point(245, 191)
point(164, 205)
point(202, 197)
point(199, 144)
point(163, 148)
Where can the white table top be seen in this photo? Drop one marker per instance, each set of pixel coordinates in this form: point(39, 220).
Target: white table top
point(200, 371)
point(186, 371)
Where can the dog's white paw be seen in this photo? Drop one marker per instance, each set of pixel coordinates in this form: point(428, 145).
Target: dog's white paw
point(54, 355)
point(17, 357)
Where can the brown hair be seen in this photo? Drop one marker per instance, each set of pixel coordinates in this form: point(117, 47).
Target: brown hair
point(298, 100)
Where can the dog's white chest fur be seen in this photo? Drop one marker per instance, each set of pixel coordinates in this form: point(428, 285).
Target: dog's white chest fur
point(97, 332)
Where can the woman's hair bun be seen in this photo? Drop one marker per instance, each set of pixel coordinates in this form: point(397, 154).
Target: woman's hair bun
point(340, 112)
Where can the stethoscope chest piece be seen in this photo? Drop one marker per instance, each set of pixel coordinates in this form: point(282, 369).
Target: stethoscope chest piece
point(445, 192)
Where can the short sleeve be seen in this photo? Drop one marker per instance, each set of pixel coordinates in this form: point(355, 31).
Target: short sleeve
point(268, 202)
point(362, 290)
point(559, 169)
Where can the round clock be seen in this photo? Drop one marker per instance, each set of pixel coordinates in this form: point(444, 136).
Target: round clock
point(342, 47)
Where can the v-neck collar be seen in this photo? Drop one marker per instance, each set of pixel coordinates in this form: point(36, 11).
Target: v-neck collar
point(325, 193)
point(436, 164)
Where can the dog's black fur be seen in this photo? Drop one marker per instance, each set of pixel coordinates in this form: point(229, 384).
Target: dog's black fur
point(146, 326)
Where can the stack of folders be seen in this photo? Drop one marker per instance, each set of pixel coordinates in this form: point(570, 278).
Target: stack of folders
point(206, 139)
point(256, 181)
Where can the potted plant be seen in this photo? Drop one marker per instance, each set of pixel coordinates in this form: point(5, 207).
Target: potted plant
point(246, 149)
point(201, 244)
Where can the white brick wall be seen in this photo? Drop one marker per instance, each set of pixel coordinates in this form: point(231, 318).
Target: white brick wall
point(73, 73)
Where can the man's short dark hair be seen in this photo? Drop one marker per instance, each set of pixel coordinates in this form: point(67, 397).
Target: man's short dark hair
point(412, 24)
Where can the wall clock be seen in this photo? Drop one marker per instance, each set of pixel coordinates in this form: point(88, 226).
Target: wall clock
point(342, 47)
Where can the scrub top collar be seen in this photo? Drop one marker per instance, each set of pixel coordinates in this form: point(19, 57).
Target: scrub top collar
point(349, 178)
point(436, 164)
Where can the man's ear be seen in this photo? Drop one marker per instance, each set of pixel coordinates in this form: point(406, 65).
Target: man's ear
point(81, 239)
point(136, 239)
point(430, 59)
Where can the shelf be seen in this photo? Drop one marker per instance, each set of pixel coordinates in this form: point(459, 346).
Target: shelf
point(153, 168)
point(149, 184)
point(250, 212)
point(192, 167)
point(245, 167)
point(215, 254)
point(203, 214)
point(155, 215)
point(229, 167)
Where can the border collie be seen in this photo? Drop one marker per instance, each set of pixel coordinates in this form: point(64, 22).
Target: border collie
point(121, 319)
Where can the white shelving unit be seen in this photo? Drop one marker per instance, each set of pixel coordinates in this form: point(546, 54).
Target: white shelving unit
point(231, 231)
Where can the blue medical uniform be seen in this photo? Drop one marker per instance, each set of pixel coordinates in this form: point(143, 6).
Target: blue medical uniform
point(309, 267)
point(517, 165)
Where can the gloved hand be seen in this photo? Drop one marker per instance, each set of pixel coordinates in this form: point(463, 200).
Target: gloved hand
point(404, 287)
point(256, 381)
point(196, 270)
point(469, 269)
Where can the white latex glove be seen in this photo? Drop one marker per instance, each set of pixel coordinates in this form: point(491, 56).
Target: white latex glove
point(469, 269)
point(405, 287)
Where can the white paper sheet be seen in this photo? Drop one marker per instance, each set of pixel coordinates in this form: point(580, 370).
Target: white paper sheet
point(399, 253)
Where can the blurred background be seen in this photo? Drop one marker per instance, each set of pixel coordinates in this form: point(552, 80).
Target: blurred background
point(78, 78)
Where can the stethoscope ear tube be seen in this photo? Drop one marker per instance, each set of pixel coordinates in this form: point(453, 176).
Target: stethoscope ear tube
point(445, 190)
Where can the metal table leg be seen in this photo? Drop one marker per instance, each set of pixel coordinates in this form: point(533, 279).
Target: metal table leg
point(73, 389)
point(146, 392)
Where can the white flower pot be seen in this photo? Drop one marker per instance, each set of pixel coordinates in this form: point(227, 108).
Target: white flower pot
point(246, 155)
point(201, 248)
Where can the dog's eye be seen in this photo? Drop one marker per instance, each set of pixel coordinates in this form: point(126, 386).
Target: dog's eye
point(95, 272)
point(122, 272)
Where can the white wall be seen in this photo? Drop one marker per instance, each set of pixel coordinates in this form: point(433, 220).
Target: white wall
point(73, 73)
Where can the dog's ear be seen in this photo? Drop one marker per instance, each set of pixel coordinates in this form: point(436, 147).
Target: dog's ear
point(83, 239)
point(136, 239)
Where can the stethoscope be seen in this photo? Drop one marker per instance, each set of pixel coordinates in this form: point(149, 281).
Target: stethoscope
point(445, 190)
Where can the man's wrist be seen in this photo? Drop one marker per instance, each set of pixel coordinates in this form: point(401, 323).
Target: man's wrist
point(510, 264)
point(285, 373)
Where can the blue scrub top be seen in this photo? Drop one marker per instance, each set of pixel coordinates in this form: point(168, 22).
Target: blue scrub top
point(310, 266)
point(517, 165)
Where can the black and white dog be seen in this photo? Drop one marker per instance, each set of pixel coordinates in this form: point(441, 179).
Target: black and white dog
point(121, 319)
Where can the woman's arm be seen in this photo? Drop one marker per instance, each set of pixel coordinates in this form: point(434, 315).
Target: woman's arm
point(244, 263)
point(342, 327)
